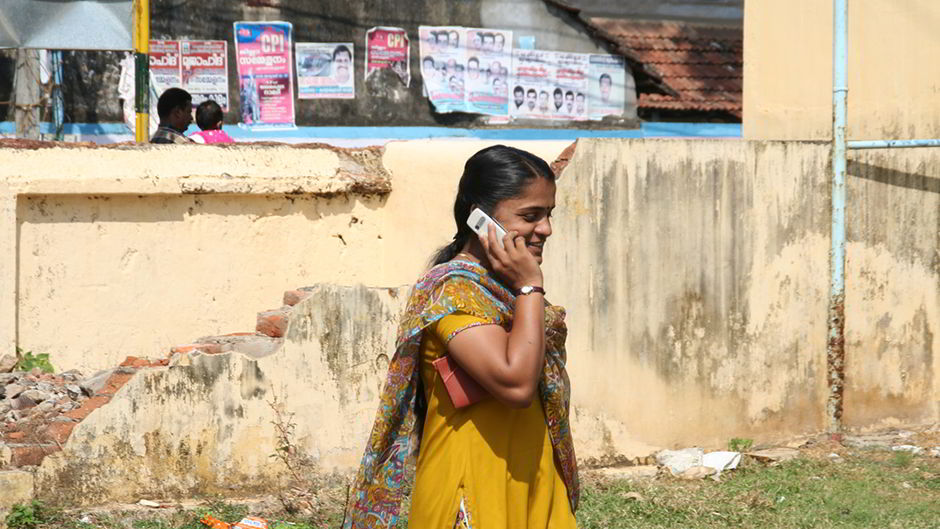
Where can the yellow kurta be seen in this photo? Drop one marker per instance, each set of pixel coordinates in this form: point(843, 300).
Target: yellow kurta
point(497, 459)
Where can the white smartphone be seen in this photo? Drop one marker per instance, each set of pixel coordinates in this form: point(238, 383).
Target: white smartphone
point(479, 222)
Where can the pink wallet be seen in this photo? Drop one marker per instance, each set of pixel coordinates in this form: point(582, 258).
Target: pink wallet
point(460, 386)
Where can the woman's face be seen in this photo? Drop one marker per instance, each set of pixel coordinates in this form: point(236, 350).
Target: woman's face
point(530, 213)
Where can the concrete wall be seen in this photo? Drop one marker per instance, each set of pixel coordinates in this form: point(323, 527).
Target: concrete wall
point(893, 72)
point(221, 231)
point(696, 279)
point(695, 274)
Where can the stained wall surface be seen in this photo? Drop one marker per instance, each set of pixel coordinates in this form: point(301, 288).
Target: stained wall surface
point(893, 73)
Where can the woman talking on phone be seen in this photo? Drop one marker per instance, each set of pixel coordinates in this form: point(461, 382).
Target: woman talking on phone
point(477, 389)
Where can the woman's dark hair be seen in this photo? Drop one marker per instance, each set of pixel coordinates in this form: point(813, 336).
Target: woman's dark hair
point(490, 176)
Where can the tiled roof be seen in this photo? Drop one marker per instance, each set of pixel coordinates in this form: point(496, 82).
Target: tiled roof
point(690, 66)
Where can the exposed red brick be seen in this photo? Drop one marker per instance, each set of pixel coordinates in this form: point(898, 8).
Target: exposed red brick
point(562, 161)
point(23, 456)
point(58, 431)
point(208, 348)
point(272, 323)
point(13, 436)
point(87, 407)
point(293, 297)
point(114, 383)
point(133, 361)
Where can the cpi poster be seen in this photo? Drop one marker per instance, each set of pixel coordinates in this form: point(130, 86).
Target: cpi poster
point(489, 58)
point(388, 47)
point(325, 70)
point(265, 72)
point(205, 70)
point(165, 64)
point(533, 82)
point(443, 66)
point(606, 81)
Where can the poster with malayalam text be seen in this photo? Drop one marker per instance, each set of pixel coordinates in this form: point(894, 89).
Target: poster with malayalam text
point(205, 70)
point(443, 66)
point(606, 85)
point(388, 47)
point(165, 64)
point(533, 82)
point(325, 70)
point(265, 74)
point(571, 71)
point(489, 61)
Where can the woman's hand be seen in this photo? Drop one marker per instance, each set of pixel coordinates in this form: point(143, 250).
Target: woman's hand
point(511, 260)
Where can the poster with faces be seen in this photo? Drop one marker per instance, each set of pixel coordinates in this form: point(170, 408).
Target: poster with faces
point(489, 61)
point(532, 84)
point(325, 70)
point(444, 66)
point(569, 96)
point(606, 82)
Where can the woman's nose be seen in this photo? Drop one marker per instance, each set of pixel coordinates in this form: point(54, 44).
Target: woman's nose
point(544, 227)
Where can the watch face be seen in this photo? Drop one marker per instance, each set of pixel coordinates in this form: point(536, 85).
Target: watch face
point(526, 289)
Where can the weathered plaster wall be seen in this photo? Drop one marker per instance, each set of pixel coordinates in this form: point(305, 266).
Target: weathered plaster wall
point(695, 274)
point(216, 233)
point(893, 71)
point(204, 424)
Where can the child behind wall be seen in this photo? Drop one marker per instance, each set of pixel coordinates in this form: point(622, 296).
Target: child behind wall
point(209, 118)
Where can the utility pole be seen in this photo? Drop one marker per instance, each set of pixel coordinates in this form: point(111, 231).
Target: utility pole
point(26, 94)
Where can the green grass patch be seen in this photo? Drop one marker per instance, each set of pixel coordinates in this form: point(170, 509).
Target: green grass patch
point(862, 492)
point(866, 490)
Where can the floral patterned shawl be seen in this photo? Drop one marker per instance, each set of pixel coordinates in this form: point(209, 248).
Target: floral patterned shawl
point(390, 455)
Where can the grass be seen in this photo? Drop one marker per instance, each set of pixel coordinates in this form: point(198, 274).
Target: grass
point(865, 489)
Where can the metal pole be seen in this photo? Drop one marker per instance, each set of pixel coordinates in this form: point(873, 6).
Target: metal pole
point(835, 349)
point(889, 144)
point(58, 103)
point(142, 69)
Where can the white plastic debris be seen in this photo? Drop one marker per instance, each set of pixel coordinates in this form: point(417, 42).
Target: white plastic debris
point(678, 461)
point(721, 461)
point(148, 503)
point(907, 448)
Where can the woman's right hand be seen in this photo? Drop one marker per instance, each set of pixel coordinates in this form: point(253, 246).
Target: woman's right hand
point(511, 260)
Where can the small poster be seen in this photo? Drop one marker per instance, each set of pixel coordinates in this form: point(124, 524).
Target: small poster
point(265, 74)
point(571, 71)
point(165, 64)
point(489, 59)
point(606, 81)
point(533, 81)
point(205, 70)
point(388, 47)
point(325, 70)
point(443, 66)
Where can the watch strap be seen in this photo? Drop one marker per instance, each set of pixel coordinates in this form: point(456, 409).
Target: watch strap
point(528, 290)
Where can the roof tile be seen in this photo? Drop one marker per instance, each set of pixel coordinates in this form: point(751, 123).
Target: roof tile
point(702, 64)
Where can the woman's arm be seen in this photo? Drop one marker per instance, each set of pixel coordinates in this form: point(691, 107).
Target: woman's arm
point(508, 364)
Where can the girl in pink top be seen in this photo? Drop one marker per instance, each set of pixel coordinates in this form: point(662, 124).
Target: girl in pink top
point(209, 118)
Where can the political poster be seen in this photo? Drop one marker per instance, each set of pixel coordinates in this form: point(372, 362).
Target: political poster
point(606, 81)
point(205, 70)
point(443, 66)
point(325, 70)
point(569, 96)
point(388, 47)
point(165, 64)
point(532, 81)
point(489, 60)
point(265, 74)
